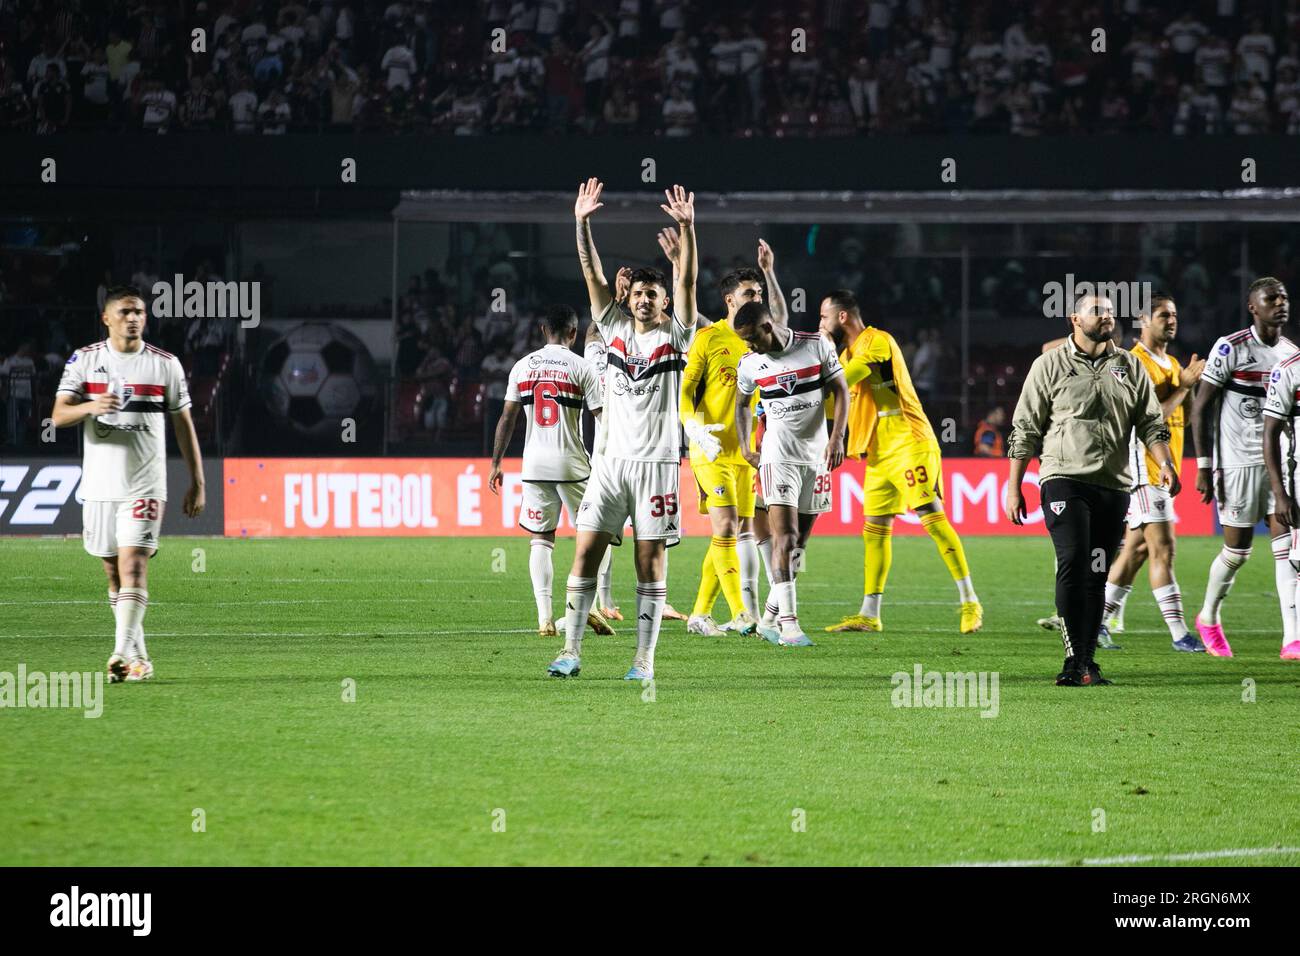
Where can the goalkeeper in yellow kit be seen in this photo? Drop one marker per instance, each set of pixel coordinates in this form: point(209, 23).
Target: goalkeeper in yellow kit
point(904, 471)
point(725, 479)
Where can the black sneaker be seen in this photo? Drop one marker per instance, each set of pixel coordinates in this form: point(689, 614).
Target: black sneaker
point(1092, 676)
point(1068, 678)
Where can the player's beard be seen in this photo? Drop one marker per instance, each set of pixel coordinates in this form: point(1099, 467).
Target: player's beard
point(1097, 335)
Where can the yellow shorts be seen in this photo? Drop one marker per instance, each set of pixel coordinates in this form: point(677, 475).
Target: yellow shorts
point(904, 480)
point(725, 483)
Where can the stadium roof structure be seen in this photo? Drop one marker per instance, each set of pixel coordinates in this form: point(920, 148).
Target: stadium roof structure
point(956, 206)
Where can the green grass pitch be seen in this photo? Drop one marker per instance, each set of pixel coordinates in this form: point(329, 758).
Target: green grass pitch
point(458, 749)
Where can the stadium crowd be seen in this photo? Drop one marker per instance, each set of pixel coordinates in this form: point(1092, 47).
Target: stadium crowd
point(665, 67)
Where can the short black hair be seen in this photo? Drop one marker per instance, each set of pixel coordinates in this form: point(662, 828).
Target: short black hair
point(650, 276)
point(732, 280)
point(1262, 282)
point(751, 313)
point(1160, 297)
point(558, 319)
point(844, 300)
point(121, 292)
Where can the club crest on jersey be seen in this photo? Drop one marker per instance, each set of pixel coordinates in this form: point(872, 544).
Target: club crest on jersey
point(1225, 348)
point(787, 381)
point(1120, 372)
point(127, 392)
point(1058, 507)
point(637, 364)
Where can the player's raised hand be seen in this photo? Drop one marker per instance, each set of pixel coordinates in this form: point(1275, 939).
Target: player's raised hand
point(680, 205)
point(1191, 373)
point(588, 198)
point(195, 501)
point(766, 258)
point(670, 245)
point(622, 285)
point(1015, 505)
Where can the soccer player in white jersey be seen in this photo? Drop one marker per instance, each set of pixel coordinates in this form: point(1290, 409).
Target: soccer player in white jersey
point(1228, 426)
point(638, 470)
point(550, 386)
point(1151, 514)
point(793, 372)
point(1281, 406)
point(121, 391)
point(595, 352)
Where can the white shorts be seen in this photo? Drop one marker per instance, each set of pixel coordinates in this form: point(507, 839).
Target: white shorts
point(109, 525)
point(1150, 504)
point(540, 511)
point(1244, 496)
point(645, 491)
point(804, 487)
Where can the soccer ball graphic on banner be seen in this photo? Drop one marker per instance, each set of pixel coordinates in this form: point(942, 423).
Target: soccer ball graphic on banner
point(316, 375)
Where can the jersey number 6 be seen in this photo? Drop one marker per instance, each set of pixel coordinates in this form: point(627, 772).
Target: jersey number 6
point(546, 410)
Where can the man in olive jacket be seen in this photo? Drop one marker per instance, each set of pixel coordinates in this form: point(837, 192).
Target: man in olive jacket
point(1080, 403)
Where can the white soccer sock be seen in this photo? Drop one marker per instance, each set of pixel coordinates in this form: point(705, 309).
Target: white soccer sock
point(121, 644)
point(578, 595)
point(138, 650)
point(650, 598)
point(871, 605)
point(605, 579)
point(1286, 586)
point(765, 549)
point(129, 611)
point(1223, 569)
point(785, 597)
point(966, 590)
point(542, 570)
point(1116, 595)
point(1170, 599)
point(747, 555)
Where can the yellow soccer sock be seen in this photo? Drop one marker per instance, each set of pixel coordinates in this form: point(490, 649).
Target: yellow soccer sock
point(709, 586)
point(950, 549)
point(878, 555)
point(727, 563)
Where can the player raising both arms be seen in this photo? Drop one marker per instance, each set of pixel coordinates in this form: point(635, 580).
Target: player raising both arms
point(793, 372)
point(725, 479)
point(119, 391)
point(888, 427)
point(552, 385)
point(637, 474)
point(1228, 426)
point(1151, 507)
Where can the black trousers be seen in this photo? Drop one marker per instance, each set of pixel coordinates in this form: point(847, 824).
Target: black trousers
point(1086, 523)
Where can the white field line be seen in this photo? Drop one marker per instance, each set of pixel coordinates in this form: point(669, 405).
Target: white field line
point(1148, 858)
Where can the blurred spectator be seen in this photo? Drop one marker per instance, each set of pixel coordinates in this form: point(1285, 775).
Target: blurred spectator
point(435, 374)
point(988, 434)
point(17, 375)
point(495, 375)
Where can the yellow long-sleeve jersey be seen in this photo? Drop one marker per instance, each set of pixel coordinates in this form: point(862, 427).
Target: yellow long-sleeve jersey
point(1166, 382)
point(880, 387)
point(709, 386)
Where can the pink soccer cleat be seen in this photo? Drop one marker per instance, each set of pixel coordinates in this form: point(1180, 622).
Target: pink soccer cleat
point(1216, 645)
point(1290, 652)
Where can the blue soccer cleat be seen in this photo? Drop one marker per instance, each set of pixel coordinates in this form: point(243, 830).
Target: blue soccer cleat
point(566, 665)
point(639, 672)
point(795, 640)
point(769, 634)
point(1190, 644)
point(1104, 643)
